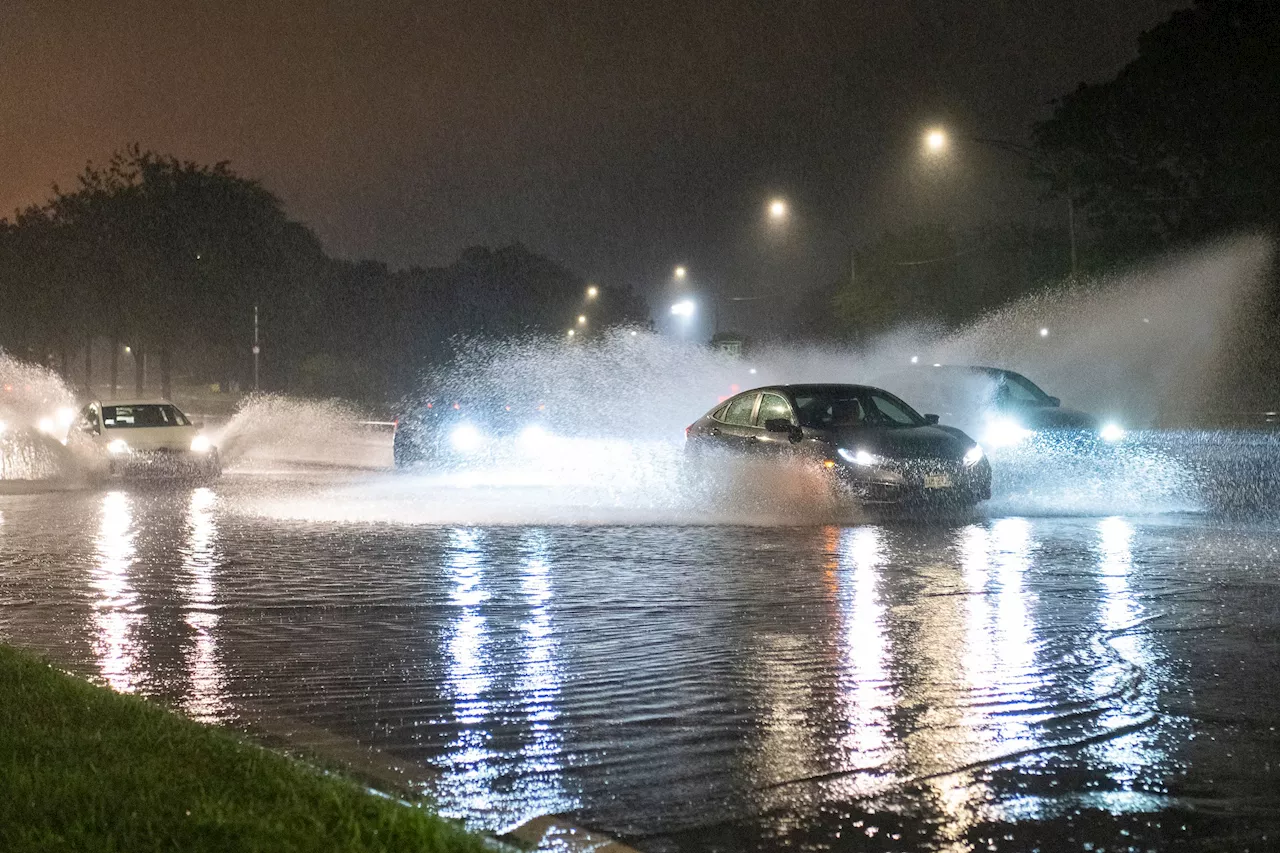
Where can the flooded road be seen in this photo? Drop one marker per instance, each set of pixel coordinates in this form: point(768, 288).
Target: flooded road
point(992, 682)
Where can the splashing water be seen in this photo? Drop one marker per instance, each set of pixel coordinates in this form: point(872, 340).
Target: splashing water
point(273, 429)
point(626, 396)
point(35, 405)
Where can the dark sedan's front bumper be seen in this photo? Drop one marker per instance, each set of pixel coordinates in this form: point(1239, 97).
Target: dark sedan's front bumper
point(923, 481)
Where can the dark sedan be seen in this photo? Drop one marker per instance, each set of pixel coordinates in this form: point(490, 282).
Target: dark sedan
point(873, 443)
point(1000, 406)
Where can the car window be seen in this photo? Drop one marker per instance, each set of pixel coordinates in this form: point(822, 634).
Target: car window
point(1016, 388)
point(147, 415)
point(739, 411)
point(838, 409)
point(773, 406)
point(718, 414)
point(884, 411)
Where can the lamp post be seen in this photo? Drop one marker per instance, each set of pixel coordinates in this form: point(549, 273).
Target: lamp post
point(936, 143)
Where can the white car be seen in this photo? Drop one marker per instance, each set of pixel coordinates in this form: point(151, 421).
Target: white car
point(144, 438)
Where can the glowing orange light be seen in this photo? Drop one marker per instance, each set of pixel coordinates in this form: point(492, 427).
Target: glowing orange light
point(828, 463)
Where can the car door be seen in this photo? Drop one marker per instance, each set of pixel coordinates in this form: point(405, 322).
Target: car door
point(733, 431)
point(773, 406)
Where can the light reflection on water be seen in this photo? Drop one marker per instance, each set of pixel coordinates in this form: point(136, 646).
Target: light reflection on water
point(206, 700)
point(116, 616)
point(949, 673)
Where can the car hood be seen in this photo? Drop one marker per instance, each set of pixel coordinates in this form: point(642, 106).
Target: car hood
point(922, 442)
point(1052, 417)
point(153, 438)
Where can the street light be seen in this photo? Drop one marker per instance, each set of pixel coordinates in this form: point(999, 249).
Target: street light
point(582, 319)
point(681, 272)
point(778, 209)
point(936, 142)
point(593, 292)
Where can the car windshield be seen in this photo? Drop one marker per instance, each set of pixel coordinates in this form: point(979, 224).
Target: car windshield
point(1016, 388)
point(853, 407)
point(147, 415)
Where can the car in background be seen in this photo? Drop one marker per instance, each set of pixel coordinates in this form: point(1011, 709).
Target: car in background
point(453, 432)
point(1003, 408)
point(875, 446)
point(131, 438)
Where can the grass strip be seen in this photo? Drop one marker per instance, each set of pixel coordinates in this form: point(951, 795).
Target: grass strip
point(85, 768)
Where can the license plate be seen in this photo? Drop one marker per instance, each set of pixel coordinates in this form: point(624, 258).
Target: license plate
point(937, 481)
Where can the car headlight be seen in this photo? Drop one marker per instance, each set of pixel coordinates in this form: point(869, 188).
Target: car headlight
point(1004, 432)
point(117, 446)
point(533, 436)
point(1111, 431)
point(466, 438)
point(859, 457)
point(973, 455)
point(200, 444)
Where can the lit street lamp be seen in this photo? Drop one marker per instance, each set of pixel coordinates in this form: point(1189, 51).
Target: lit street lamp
point(936, 142)
point(778, 209)
point(593, 292)
point(582, 319)
point(681, 272)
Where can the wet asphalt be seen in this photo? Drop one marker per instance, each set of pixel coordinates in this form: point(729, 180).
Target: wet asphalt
point(1011, 679)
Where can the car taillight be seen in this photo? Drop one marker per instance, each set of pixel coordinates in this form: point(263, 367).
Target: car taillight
point(687, 430)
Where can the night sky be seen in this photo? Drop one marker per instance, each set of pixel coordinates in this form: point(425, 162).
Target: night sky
point(618, 138)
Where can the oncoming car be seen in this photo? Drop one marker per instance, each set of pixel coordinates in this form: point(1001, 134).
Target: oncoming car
point(1003, 408)
point(449, 433)
point(144, 438)
point(876, 446)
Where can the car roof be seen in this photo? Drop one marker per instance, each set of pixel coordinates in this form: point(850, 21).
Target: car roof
point(814, 386)
point(136, 401)
point(962, 368)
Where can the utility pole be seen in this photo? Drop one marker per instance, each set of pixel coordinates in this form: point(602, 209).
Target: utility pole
point(256, 348)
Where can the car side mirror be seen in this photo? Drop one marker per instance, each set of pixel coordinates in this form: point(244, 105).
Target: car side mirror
point(794, 433)
point(931, 419)
point(1055, 402)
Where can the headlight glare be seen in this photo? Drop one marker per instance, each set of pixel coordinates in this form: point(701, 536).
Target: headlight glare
point(200, 444)
point(466, 438)
point(973, 455)
point(1005, 432)
point(117, 446)
point(533, 436)
point(859, 457)
point(1111, 431)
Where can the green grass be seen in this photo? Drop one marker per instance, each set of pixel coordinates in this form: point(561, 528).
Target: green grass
point(84, 768)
